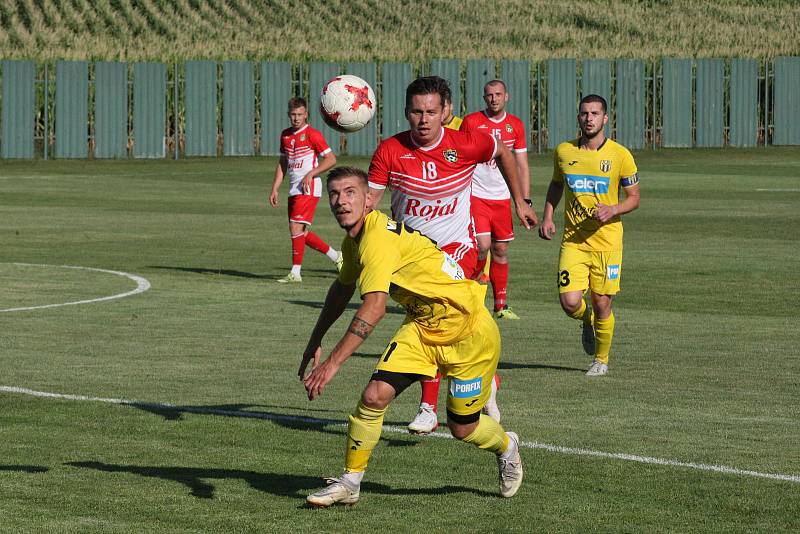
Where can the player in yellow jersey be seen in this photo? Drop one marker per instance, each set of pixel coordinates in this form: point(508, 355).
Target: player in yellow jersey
point(593, 168)
point(447, 328)
point(450, 120)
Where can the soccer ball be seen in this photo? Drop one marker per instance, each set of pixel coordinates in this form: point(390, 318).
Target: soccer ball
point(347, 103)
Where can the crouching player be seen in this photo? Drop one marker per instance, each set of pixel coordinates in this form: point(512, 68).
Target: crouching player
point(447, 329)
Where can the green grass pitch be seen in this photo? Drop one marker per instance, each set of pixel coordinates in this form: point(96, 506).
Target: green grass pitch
point(704, 369)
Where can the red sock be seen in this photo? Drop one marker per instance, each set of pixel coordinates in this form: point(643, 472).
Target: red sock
point(479, 267)
point(298, 248)
point(498, 274)
point(314, 241)
point(430, 391)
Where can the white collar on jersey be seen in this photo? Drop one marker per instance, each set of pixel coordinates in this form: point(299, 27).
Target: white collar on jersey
point(306, 125)
point(426, 148)
point(496, 120)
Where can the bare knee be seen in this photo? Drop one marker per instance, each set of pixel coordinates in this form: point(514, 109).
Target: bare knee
point(377, 395)
point(571, 302)
point(460, 431)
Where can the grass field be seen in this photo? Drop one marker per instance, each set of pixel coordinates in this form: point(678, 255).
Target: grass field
point(704, 373)
point(395, 30)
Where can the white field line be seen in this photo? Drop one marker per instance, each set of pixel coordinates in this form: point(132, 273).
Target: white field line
point(778, 190)
point(142, 285)
point(402, 430)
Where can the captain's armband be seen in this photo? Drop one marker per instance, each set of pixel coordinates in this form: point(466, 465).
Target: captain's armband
point(629, 180)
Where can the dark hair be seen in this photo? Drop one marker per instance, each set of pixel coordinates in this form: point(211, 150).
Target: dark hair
point(593, 98)
point(428, 85)
point(496, 82)
point(343, 172)
point(297, 102)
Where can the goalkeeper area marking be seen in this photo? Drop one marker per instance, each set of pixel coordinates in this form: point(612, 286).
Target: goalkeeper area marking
point(142, 285)
point(402, 430)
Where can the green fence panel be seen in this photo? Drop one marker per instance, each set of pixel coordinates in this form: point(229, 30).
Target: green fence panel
point(149, 110)
point(18, 115)
point(364, 141)
point(676, 103)
point(238, 108)
point(276, 90)
point(743, 103)
point(110, 109)
point(561, 101)
point(786, 106)
point(318, 75)
point(596, 80)
point(479, 71)
point(395, 77)
point(72, 109)
point(710, 104)
point(517, 76)
point(200, 103)
point(450, 70)
point(630, 114)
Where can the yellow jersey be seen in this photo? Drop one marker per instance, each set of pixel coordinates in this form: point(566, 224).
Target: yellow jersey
point(455, 123)
point(591, 177)
point(388, 256)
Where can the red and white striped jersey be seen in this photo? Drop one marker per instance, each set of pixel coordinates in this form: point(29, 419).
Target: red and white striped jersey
point(488, 182)
point(431, 186)
point(302, 148)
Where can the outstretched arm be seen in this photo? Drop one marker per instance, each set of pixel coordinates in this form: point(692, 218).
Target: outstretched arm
point(367, 317)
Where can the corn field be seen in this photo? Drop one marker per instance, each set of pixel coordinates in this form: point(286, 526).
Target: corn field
point(394, 30)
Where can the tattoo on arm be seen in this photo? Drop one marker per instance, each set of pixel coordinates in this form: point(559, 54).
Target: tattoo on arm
point(361, 328)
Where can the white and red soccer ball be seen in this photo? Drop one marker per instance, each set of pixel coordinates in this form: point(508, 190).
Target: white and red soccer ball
point(347, 103)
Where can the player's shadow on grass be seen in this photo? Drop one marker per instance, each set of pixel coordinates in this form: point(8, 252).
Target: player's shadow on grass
point(511, 365)
point(242, 274)
point(24, 468)
point(292, 422)
point(282, 485)
point(317, 305)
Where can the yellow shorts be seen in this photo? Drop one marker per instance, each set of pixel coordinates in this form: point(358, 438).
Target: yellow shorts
point(579, 270)
point(469, 364)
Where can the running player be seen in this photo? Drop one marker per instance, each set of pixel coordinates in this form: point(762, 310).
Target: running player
point(491, 200)
point(301, 146)
point(447, 328)
point(593, 168)
point(429, 172)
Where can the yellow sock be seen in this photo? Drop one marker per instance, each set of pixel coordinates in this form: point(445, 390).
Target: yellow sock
point(604, 333)
point(363, 433)
point(489, 435)
point(584, 313)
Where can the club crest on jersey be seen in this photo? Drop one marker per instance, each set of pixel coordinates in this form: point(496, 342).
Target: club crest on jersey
point(605, 165)
point(509, 129)
point(450, 154)
point(302, 137)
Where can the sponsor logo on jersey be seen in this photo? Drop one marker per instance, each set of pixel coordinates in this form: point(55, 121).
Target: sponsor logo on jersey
point(573, 162)
point(586, 183)
point(483, 126)
point(408, 155)
point(509, 129)
point(417, 208)
point(612, 272)
point(605, 165)
point(450, 154)
point(464, 389)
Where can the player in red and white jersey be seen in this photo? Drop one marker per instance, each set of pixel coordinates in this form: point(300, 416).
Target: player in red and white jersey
point(428, 170)
point(491, 205)
point(304, 156)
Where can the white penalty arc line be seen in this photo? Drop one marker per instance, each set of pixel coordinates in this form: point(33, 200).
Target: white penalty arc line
point(400, 430)
point(142, 285)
